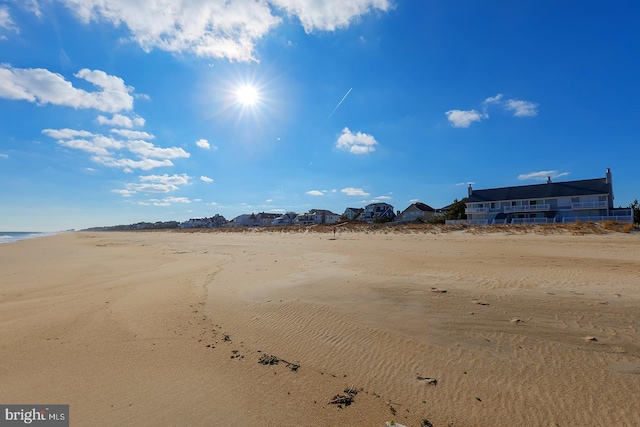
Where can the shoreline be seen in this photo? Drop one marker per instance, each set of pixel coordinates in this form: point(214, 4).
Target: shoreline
point(505, 323)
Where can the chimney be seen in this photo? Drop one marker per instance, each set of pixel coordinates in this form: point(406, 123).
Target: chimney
point(470, 190)
point(548, 180)
point(609, 182)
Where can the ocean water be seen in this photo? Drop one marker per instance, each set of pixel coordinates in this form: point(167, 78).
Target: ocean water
point(14, 236)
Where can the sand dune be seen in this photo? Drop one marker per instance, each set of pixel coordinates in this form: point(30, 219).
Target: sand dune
point(165, 328)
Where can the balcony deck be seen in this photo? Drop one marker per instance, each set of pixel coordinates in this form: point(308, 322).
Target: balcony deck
point(588, 205)
point(528, 208)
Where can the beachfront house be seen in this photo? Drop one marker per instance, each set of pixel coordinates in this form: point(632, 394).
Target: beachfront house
point(212, 222)
point(377, 212)
point(316, 217)
point(351, 214)
point(323, 216)
point(417, 212)
point(265, 219)
point(244, 220)
point(286, 219)
point(551, 202)
point(304, 219)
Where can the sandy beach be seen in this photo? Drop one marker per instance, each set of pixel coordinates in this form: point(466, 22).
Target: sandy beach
point(459, 328)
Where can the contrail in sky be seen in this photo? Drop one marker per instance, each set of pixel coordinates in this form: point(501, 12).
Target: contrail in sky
point(339, 103)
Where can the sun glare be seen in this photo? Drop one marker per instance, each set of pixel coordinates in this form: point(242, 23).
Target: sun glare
point(247, 95)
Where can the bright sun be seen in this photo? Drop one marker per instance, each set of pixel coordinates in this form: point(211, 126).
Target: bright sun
point(247, 95)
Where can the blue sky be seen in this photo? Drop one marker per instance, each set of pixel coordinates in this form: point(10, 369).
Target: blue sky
point(120, 111)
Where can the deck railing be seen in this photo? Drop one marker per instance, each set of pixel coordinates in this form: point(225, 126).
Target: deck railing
point(588, 205)
point(476, 210)
point(615, 218)
point(528, 208)
point(533, 221)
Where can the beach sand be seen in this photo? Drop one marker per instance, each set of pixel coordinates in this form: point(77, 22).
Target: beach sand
point(167, 328)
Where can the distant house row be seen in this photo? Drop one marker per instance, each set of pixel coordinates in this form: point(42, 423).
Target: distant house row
point(551, 202)
point(373, 212)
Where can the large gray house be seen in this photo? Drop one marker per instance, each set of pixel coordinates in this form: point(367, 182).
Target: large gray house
point(585, 200)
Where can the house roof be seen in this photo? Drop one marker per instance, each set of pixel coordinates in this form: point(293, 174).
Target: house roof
point(423, 207)
point(587, 187)
point(268, 215)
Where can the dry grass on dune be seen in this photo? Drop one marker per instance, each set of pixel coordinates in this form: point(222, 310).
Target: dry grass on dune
point(576, 228)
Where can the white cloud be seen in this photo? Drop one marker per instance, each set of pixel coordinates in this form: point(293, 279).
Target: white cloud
point(5, 20)
point(121, 121)
point(125, 193)
point(103, 80)
point(541, 175)
point(203, 143)
point(4, 156)
point(463, 119)
point(493, 99)
point(146, 149)
point(220, 29)
point(382, 198)
point(67, 133)
point(104, 148)
point(93, 147)
point(132, 134)
point(414, 200)
point(329, 15)
point(356, 143)
point(44, 87)
point(268, 201)
point(32, 6)
point(128, 165)
point(522, 108)
point(315, 193)
point(206, 179)
point(176, 200)
point(155, 184)
point(350, 191)
point(84, 140)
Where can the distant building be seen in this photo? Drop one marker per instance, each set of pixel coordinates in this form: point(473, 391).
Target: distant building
point(265, 219)
point(352, 213)
point(286, 219)
point(304, 219)
point(569, 201)
point(416, 212)
point(323, 216)
point(244, 220)
point(213, 222)
point(375, 212)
